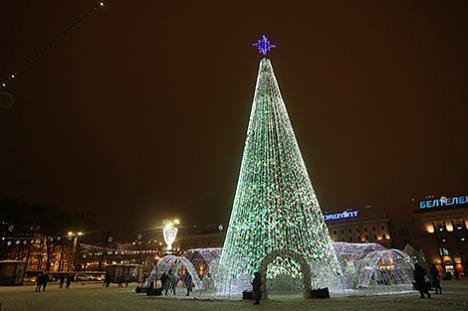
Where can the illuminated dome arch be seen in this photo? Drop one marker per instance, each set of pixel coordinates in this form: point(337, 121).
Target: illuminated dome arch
point(390, 267)
point(175, 263)
point(209, 257)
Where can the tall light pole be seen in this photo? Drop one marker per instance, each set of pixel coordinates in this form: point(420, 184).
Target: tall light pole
point(75, 236)
point(170, 233)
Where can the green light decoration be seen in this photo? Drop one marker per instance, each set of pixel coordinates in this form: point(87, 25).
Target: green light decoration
point(275, 207)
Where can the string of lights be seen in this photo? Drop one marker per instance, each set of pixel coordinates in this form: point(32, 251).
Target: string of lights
point(51, 44)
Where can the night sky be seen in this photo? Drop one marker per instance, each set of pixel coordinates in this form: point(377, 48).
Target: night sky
point(141, 112)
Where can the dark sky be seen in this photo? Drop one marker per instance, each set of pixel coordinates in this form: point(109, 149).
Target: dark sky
point(141, 113)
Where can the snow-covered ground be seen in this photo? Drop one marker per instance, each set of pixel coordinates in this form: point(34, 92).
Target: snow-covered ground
point(95, 297)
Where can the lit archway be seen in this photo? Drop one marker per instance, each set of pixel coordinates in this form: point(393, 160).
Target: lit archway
point(305, 269)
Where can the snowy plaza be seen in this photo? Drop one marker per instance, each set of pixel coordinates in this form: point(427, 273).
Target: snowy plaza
point(95, 297)
point(275, 229)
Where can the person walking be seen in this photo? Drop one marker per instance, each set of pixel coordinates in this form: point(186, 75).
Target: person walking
point(61, 281)
point(39, 282)
point(435, 279)
point(174, 280)
point(456, 275)
point(45, 280)
point(170, 283)
point(256, 285)
point(419, 277)
point(163, 280)
point(69, 280)
point(107, 279)
point(188, 283)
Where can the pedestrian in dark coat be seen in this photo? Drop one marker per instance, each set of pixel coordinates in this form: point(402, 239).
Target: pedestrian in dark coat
point(39, 282)
point(107, 279)
point(171, 283)
point(163, 280)
point(45, 280)
point(419, 277)
point(69, 280)
point(256, 286)
point(62, 280)
point(435, 279)
point(188, 283)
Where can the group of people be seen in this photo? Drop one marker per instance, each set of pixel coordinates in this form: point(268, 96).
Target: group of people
point(169, 282)
point(170, 279)
point(43, 280)
point(424, 283)
point(68, 280)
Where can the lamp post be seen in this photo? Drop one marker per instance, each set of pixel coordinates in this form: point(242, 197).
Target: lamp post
point(170, 233)
point(75, 236)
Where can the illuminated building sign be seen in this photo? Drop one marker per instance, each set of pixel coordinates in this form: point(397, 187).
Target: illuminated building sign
point(444, 201)
point(343, 215)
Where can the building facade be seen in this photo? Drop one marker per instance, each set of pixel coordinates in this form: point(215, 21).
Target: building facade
point(439, 227)
point(436, 228)
point(38, 251)
point(359, 226)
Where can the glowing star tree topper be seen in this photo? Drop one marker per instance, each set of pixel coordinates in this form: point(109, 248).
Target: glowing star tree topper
point(275, 208)
point(264, 45)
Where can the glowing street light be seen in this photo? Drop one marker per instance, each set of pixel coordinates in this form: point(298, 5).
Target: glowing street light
point(75, 236)
point(170, 233)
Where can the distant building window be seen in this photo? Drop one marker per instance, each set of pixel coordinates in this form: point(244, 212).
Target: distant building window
point(373, 228)
point(349, 230)
point(462, 239)
point(342, 231)
point(382, 227)
point(365, 229)
point(357, 229)
point(334, 231)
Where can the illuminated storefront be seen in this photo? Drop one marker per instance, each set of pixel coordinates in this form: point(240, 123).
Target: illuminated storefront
point(440, 228)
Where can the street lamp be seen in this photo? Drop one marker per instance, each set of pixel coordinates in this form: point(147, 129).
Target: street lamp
point(75, 236)
point(170, 233)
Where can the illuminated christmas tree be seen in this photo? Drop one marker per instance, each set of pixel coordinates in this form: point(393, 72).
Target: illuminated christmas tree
point(275, 207)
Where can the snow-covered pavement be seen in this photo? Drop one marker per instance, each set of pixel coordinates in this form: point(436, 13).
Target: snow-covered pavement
point(95, 297)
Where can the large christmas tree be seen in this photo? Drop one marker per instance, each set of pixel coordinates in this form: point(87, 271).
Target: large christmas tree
point(275, 207)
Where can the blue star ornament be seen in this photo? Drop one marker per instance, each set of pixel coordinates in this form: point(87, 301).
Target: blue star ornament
point(264, 45)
